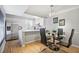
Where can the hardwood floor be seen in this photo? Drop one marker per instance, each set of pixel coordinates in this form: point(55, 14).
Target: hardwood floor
point(34, 47)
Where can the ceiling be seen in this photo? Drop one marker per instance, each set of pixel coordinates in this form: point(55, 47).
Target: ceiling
point(15, 9)
point(36, 10)
point(39, 10)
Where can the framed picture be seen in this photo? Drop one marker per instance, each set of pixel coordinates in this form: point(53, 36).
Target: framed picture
point(55, 20)
point(61, 22)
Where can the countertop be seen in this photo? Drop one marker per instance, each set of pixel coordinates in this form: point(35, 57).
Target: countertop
point(29, 30)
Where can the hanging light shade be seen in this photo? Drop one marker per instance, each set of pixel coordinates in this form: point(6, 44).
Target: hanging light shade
point(51, 7)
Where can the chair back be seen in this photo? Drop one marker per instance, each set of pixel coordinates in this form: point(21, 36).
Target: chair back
point(43, 36)
point(60, 31)
point(70, 38)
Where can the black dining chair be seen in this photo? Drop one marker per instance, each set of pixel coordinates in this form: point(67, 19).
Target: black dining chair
point(44, 38)
point(69, 41)
point(60, 33)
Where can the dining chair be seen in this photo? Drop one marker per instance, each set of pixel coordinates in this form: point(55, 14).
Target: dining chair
point(45, 39)
point(69, 41)
point(43, 36)
point(60, 33)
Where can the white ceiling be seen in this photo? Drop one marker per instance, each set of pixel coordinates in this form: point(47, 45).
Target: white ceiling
point(44, 10)
point(15, 9)
point(36, 10)
point(39, 10)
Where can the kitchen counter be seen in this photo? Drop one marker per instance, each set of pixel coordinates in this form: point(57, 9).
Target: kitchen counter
point(30, 30)
point(27, 36)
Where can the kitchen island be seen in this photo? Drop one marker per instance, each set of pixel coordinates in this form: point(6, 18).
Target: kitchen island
point(28, 36)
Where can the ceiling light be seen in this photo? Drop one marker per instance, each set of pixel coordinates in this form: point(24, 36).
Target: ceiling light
point(51, 10)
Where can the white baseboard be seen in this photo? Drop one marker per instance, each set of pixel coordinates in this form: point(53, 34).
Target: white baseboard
point(75, 45)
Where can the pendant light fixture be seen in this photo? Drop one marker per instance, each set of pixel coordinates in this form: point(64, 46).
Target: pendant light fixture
point(51, 8)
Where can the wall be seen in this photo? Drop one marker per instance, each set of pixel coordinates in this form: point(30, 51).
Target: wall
point(20, 21)
point(48, 23)
point(1, 26)
point(71, 21)
point(3, 44)
point(25, 22)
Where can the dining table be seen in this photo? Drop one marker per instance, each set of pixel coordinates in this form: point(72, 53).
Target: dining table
point(55, 40)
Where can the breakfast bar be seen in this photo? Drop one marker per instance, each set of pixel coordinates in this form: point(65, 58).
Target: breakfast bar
point(27, 36)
